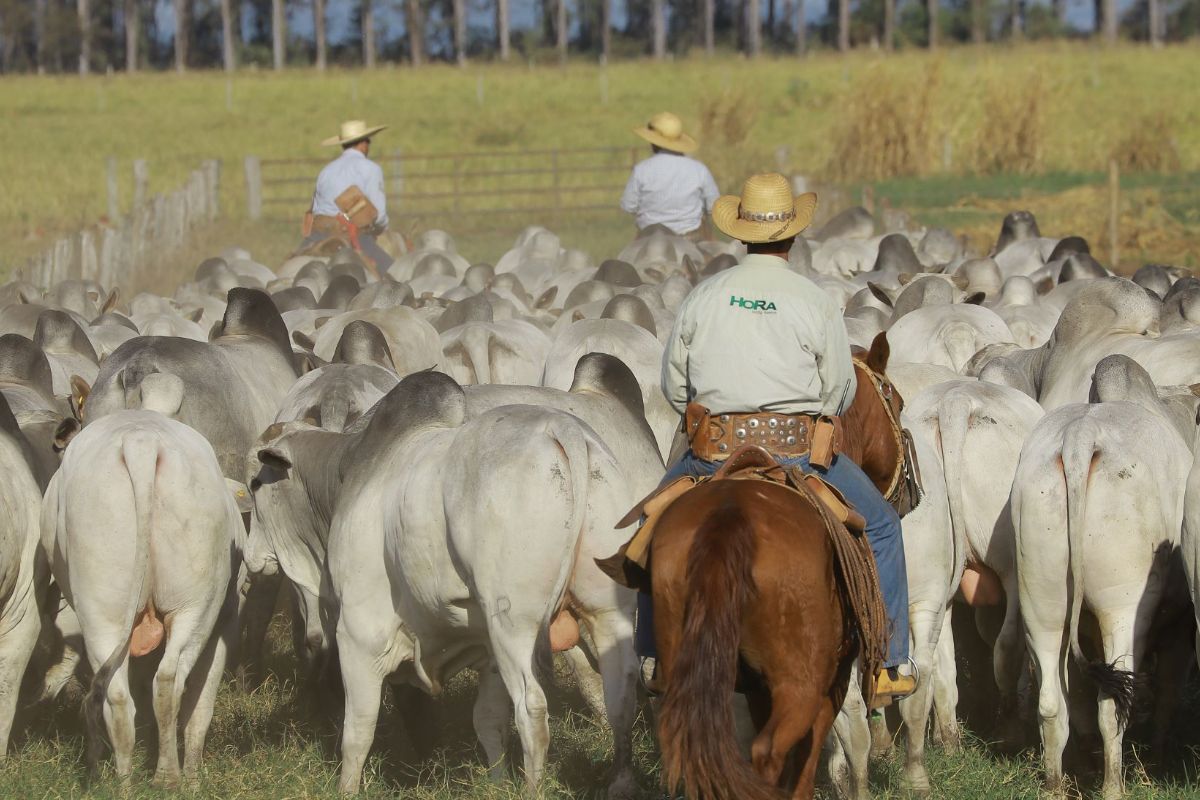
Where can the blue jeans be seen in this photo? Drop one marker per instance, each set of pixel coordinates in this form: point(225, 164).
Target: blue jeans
point(369, 246)
point(883, 533)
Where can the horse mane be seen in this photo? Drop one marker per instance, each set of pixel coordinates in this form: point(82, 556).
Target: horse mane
point(695, 723)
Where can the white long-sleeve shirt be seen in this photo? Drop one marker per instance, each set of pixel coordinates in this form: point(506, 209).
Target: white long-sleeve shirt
point(671, 190)
point(759, 337)
point(351, 168)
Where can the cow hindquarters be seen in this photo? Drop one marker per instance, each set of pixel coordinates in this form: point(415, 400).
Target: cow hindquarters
point(21, 624)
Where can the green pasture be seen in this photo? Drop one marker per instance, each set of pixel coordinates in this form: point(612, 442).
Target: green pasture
point(1038, 116)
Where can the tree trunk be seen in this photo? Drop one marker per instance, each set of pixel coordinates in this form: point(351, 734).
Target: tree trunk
point(560, 30)
point(710, 13)
point(228, 44)
point(1110, 21)
point(367, 14)
point(889, 24)
point(978, 21)
point(801, 29)
point(83, 8)
point(753, 28)
point(502, 28)
point(844, 25)
point(1060, 10)
point(1156, 24)
point(770, 19)
point(183, 30)
point(132, 33)
point(460, 31)
point(659, 29)
point(39, 34)
point(1014, 11)
point(415, 21)
point(319, 33)
point(932, 9)
point(278, 34)
point(1098, 9)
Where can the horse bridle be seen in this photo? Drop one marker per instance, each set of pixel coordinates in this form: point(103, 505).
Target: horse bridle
point(906, 478)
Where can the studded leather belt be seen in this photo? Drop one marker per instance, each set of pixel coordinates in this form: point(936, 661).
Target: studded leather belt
point(715, 438)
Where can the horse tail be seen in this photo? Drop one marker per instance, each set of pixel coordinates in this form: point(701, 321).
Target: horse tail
point(695, 721)
point(1079, 453)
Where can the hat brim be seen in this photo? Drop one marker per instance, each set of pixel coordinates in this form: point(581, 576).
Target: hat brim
point(725, 217)
point(367, 134)
point(684, 144)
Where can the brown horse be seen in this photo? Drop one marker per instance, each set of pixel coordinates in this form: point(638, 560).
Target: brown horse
point(744, 574)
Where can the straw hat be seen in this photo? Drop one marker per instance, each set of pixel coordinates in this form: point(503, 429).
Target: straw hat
point(354, 130)
point(766, 211)
point(666, 131)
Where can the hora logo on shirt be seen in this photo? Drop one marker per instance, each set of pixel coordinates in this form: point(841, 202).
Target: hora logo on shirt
point(763, 306)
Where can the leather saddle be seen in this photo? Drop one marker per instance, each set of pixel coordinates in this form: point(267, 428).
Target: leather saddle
point(629, 566)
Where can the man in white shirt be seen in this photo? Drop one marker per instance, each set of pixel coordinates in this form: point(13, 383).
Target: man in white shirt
point(353, 168)
point(668, 188)
point(760, 338)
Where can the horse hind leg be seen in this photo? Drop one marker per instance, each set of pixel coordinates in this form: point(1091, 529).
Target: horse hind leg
point(794, 710)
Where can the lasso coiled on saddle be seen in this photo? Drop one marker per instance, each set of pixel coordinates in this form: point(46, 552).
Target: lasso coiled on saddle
point(866, 618)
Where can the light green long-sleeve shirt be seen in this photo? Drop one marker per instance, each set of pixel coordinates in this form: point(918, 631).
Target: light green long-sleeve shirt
point(759, 337)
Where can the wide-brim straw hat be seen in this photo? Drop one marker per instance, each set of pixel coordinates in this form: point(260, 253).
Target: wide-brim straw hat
point(665, 130)
point(766, 211)
point(351, 131)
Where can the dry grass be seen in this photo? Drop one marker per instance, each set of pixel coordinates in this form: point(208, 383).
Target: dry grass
point(1149, 146)
point(1011, 137)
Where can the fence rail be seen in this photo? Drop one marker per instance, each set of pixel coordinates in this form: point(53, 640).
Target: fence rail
point(114, 254)
point(480, 184)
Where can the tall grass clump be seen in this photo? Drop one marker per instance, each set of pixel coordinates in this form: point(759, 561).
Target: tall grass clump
point(726, 122)
point(886, 128)
point(1011, 135)
point(1149, 146)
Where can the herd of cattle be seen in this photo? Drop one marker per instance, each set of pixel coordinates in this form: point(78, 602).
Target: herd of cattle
point(434, 460)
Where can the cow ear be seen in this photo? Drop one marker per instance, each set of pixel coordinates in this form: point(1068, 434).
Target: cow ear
point(241, 496)
point(880, 352)
point(274, 458)
point(65, 432)
point(1044, 285)
point(196, 315)
point(689, 266)
point(960, 281)
point(111, 301)
point(905, 278)
point(1195, 389)
point(975, 299)
point(217, 330)
point(655, 275)
point(93, 296)
point(80, 391)
point(577, 316)
point(319, 321)
point(546, 298)
point(304, 342)
point(880, 294)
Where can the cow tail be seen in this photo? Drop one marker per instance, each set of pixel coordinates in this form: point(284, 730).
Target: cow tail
point(476, 341)
point(695, 719)
point(960, 343)
point(574, 447)
point(1078, 457)
point(954, 415)
point(140, 452)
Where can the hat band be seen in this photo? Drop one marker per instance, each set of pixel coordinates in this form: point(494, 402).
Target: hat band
point(766, 216)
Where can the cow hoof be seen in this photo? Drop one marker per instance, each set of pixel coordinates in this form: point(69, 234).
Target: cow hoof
point(166, 780)
point(916, 780)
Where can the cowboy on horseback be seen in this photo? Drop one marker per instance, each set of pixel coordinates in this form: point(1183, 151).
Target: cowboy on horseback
point(349, 201)
point(760, 354)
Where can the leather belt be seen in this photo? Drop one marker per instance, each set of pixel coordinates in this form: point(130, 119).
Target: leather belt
point(715, 438)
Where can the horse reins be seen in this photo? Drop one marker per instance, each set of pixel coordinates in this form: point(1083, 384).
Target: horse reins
point(906, 467)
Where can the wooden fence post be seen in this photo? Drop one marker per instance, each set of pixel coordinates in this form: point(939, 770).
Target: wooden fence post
point(253, 187)
point(1114, 213)
point(114, 200)
point(212, 187)
point(141, 179)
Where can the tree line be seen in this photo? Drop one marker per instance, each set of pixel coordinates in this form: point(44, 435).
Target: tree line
point(97, 35)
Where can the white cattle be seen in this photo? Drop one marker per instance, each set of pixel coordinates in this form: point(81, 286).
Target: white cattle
point(462, 557)
point(413, 341)
point(636, 347)
point(979, 429)
point(1097, 506)
point(947, 335)
point(504, 351)
point(21, 565)
point(144, 540)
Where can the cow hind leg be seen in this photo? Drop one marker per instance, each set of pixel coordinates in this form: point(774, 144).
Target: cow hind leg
point(118, 719)
point(914, 710)
point(853, 735)
point(169, 682)
point(946, 733)
point(15, 649)
point(490, 716)
point(1053, 709)
point(1008, 660)
point(515, 658)
point(199, 698)
point(1119, 649)
point(612, 634)
point(363, 686)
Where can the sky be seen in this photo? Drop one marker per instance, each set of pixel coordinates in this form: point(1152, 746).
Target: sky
point(524, 16)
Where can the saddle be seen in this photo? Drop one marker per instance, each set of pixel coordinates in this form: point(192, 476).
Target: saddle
point(629, 565)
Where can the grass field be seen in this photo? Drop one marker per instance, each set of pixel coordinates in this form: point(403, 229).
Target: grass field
point(274, 743)
point(1050, 112)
